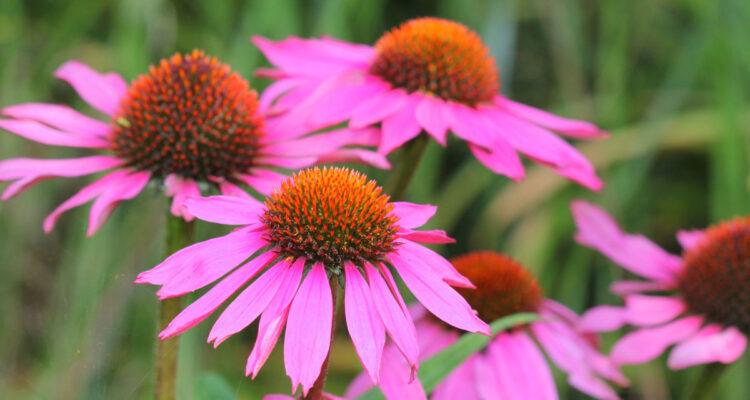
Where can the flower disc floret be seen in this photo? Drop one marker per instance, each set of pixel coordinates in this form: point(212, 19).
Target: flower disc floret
point(716, 275)
point(437, 56)
point(191, 116)
point(331, 215)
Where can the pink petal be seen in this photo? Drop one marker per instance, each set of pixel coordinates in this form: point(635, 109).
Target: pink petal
point(359, 156)
point(435, 236)
point(276, 89)
point(273, 319)
point(358, 386)
point(487, 380)
point(288, 163)
point(440, 299)
point(126, 189)
point(462, 383)
point(24, 167)
point(308, 334)
point(422, 257)
point(648, 343)
point(21, 186)
point(395, 381)
point(60, 117)
point(365, 327)
point(569, 127)
point(709, 345)
point(117, 83)
point(628, 287)
point(470, 125)
point(225, 209)
point(501, 159)
point(637, 254)
point(323, 143)
point(521, 367)
point(94, 88)
point(412, 215)
point(399, 327)
point(432, 115)
point(377, 108)
point(198, 310)
point(603, 319)
point(181, 189)
point(400, 127)
point(249, 304)
point(313, 57)
point(341, 102)
point(592, 386)
point(433, 337)
point(688, 239)
point(652, 310)
point(263, 180)
point(230, 189)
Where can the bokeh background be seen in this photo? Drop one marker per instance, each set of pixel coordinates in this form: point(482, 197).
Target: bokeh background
point(668, 78)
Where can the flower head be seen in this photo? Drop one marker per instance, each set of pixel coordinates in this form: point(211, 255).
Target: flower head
point(317, 228)
point(701, 303)
point(512, 365)
point(428, 74)
point(190, 120)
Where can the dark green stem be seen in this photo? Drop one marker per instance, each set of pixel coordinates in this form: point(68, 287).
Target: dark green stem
point(408, 161)
point(316, 392)
point(179, 234)
point(706, 384)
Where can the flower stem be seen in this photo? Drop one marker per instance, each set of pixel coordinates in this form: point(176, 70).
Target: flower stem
point(408, 161)
point(179, 234)
point(316, 392)
point(706, 384)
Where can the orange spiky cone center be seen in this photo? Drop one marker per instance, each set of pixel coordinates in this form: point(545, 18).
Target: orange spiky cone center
point(191, 116)
point(715, 278)
point(330, 215)
point(439, 57)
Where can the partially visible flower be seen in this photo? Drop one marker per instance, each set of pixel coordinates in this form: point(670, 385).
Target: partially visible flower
point(700, 301)
point(190, 120)
point(512, 365)
point(429, 75)
point(320, 225)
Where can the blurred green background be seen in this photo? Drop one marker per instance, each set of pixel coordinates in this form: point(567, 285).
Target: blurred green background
point(669, 78)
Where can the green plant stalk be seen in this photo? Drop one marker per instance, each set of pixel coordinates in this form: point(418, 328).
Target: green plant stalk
point(411, 154)
point(179, 234)
point(316, 392)
point(705, 386)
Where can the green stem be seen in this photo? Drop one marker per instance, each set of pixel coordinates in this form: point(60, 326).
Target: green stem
point(316, 392)
point(706, 384)
point(411, 153)
point(179, 234)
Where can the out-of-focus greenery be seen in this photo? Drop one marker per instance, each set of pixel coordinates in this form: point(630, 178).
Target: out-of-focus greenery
point(669, 78)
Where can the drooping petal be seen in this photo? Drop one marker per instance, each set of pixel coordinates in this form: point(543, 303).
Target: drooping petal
point(198, 310)
point(60, 117)
point(500, 159)
point(652, 310)
point(128, 188)
point(400, 127)
point(568, 127)
point(521, 367)
point(225, 209)
point(20, 186)
point(710, 344)
point(15, 168)
point(96, 89)
point(308, 331)
point(412, 215)
point(363, 322)
point(432, 115)
point(648, 343)
point(423, 258)
point(688, 239)
point(603, 319)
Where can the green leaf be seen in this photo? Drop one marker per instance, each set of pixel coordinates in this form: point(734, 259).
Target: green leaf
point(436, 368)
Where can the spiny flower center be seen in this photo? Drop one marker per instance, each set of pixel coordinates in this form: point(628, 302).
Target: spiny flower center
point(715, 279)
point(437, 56)
point(330, 215)
point(503, 286)
point(191, 116)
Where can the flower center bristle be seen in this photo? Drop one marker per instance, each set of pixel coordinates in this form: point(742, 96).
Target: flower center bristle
point(715, 279)
point(503, 286)
point(191, 116)
point(330, 215)
point(436, 56)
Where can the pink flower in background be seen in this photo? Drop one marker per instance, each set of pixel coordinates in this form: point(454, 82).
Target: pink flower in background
point(512, 365)
point(699, 301)
point(190, 120)
point(318, 226)
point(429, 75)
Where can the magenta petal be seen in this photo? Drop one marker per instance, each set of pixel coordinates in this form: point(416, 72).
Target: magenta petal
point(308, 331)
point(688, 239)
point(440, 299)
point(263, 180)
point(198, 310)
point(276, 89)
point(248, 305)
point(603, 319)
point(569, 127)
point(313, 57)
point(60, 117)
point(273, 319)
point(400, 127)
point(710, 344)
point(395, 381)
point(501, 159)
point(422, 257)
point(412, 215)
point(648, 343)
point(523, 372)
point(24, 167)
point(225, 209)
point(435, 236)
point(462, 383)
point(652, 310)
point(323, 143)
point(470, 125)
point(363, 322)
point(93, 87)
point(432, 115)
point(126, 189)
point(378, 108)
point(21, 186)
point(341, 103)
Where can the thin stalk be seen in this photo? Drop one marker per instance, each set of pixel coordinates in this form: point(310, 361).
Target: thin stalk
point(179, 234)
point(316, 392)
point(408, 161)
point(706, 384)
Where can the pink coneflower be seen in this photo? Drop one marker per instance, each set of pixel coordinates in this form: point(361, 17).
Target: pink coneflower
point(190, 120)
point(318, 226)
point(429, 75)
point(705, 310)
point(511, 366)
